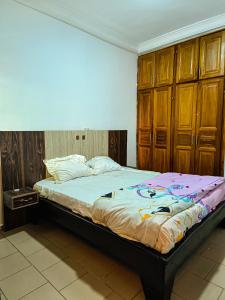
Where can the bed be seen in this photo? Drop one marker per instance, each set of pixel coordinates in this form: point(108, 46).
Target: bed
point(71, 205)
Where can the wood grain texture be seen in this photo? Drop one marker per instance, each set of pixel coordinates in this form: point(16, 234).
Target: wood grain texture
point(187, 61)
point(22, 154)
point(146, 71)
point(86, 142)
point(161, 129)
point(117, 142)
point(212, 52)
point(33, 155)
point(208, 126)
point(10, 147)
point(184, 133)
point(191, 62)
point(144, 133)
point(164, 66)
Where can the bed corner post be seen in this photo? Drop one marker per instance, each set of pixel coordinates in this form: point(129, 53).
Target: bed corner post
point(159, 286)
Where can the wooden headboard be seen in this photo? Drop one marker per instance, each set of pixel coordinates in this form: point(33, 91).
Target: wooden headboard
point(22, 152)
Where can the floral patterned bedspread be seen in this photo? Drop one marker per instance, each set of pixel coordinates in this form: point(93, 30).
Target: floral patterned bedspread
point(159, 211)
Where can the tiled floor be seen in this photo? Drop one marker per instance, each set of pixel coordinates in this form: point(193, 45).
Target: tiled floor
point(44, 262)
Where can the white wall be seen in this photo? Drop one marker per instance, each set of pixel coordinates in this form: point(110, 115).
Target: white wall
point(53, 76)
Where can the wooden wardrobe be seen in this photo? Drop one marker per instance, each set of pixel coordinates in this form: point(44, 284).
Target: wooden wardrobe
point(180, 107)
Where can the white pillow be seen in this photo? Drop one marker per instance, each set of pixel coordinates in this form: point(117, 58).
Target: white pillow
point(79, 157)
point(68, 167)
point(102, 164)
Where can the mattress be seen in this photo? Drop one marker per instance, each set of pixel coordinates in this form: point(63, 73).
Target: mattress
point(80, 194)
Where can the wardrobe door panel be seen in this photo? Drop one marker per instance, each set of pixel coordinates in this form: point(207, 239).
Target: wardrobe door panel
point(209, 122)
point(146, 71)
point(144, 109)
point(164, 66)
point(184, 128)
point(145, 129)
point(187, 61)
point(144, 158)
point(212, 49)
point(161, 129)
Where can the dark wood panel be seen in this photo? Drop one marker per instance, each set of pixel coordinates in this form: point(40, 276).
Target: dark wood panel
point(22, 154)
point(118, 146)
point(33, 155)
point(12, 162)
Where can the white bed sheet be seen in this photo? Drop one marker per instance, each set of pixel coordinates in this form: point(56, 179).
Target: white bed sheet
point(79, 194)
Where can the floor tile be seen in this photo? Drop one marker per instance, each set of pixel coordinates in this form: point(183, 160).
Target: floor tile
point(78, 250)
point(222, 296)
point(16, 236)
point(63, 273)
point(124, 282)
point(217, 276)
point(97, 263)
point(29, 246)
point(217, 236)
point(215, 253)
point(45, 258)
point(200, 266)
point(114, 296)
point(2, 296)
point(12, 264)
point(190, 286)
point(87, 287)
point(45, 292)
point(21, 283)
point(6, 248)
point(59, 237)
point(175, 297)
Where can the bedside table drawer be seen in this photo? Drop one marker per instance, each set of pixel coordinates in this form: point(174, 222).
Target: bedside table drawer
point(24, 201)
point(20, 198)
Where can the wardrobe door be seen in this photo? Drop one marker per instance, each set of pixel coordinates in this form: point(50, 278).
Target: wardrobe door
point(146, 71)
point(161, 129)
point(187, 61)
point(212, 49)
point(145, 129)
point(184, 128)
point(164, 66)
point(208, 127)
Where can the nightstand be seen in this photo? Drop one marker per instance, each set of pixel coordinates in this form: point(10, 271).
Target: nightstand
point(20, 207)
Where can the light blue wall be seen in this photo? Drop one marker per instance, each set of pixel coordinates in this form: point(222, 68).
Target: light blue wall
point(53, 76)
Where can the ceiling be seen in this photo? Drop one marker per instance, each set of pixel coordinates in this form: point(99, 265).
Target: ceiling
point(137, 25)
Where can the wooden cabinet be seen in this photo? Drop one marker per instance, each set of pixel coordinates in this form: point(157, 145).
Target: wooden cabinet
point(161, 129)
point(145, 129)
point(208, 126)
point(164, 66)
point(184, 135)
point(184, 127)
point(212, 49)
point(146, 71)
point(187, 61)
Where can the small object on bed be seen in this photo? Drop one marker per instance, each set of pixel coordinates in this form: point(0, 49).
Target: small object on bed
point(102, 164)
point(68, 167)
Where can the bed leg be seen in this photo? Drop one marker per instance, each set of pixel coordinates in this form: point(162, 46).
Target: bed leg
point(161, 291)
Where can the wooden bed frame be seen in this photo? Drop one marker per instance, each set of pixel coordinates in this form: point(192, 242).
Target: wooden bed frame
point(157, 271)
